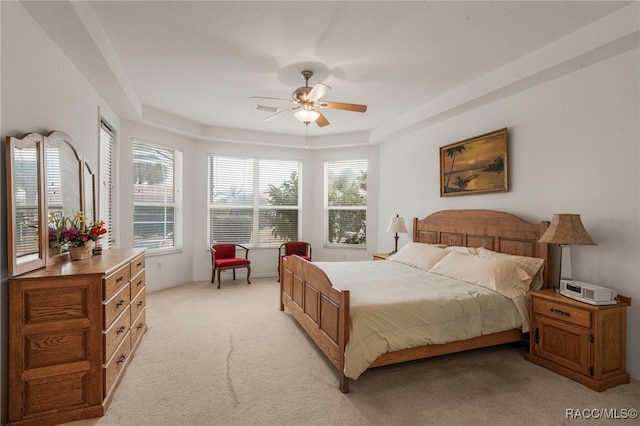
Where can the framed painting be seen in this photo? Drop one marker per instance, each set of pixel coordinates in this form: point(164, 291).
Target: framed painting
point(476, 165)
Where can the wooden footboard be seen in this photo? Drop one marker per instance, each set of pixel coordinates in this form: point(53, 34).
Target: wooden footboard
point(321, 309)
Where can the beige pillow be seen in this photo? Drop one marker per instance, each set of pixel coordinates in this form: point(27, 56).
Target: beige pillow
point(419, 255)
point(531, 265)
point(499, 274)
point(462, 249)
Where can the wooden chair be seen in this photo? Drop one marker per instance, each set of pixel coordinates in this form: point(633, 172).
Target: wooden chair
point(223, 257)
point(301, 248)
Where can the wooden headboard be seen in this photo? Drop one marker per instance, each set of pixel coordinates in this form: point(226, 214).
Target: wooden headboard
point(494, 230)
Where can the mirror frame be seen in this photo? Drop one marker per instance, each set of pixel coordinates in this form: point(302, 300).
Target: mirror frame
point(86, 197)
point(15, 267)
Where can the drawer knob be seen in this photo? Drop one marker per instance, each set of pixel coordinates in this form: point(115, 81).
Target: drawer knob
point(121, 330)
point(140, 325)
point(140, 303)
point(120, 303)
point(139, 264)
point(121, 278)
point(139, 283)
point(121, 359)
point(559, 312)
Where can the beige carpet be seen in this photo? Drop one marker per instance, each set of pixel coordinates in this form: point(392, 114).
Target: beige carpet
point(230, 357)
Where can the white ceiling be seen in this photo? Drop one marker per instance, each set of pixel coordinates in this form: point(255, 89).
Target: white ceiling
point(201, 61)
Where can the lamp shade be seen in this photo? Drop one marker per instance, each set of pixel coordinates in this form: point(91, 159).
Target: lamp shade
point(307, 115)
point(566, 229)
point(396, 224)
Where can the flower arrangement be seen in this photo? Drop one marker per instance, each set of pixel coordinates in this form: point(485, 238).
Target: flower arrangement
point(75, 231)
point(55, 230)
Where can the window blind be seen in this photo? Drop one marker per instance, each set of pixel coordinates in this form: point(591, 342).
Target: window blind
point(156, 218)
point(253, 201)
point(106, 186)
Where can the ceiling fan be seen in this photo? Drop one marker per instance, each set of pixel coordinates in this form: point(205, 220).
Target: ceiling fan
point(307, 102)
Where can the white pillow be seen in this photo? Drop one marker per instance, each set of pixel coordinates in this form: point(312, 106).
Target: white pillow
point(499, 274)
point(531, 265)
point(419, 255)
point(462, 249)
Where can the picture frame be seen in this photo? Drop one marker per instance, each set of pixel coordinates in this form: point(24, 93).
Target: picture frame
point(476, 165)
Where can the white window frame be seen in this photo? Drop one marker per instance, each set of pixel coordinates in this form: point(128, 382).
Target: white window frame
point(255, 207)
point(177, 203)
point(327, 208)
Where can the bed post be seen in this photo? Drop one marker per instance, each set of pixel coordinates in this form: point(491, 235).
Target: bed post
point(344, 383)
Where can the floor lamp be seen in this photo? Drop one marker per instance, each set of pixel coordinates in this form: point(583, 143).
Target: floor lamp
point(396, 224)
point(566, 230)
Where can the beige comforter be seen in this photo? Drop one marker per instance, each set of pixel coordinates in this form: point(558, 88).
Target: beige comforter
point(395, 306)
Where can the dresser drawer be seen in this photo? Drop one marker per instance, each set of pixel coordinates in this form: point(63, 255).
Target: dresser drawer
point(562, 312)
point(137, 284)
point(115, 281)
point(116, 365)
point(116, 333)
point(138, 304)
point(115, 306)
point(138, 327)
point(137, 265)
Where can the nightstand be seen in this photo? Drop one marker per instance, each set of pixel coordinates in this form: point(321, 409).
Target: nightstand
point(380, 256)
point(583, 342)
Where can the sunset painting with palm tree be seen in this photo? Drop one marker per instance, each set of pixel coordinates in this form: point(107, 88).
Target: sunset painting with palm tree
point(474, 165)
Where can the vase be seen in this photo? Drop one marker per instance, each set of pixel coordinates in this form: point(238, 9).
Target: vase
point(84, 252)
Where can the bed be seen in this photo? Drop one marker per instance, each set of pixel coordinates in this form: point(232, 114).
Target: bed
point(325, 310)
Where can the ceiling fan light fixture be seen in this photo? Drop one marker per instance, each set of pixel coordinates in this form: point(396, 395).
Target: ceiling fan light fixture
point(307, 116)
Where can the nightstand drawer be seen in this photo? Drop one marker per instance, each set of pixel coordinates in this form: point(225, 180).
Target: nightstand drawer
point(562, 312)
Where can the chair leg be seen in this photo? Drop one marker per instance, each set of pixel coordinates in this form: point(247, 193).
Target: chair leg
point(234, 274)
point(213, 275)
point(219, 270)
point(279, 263)
point(248, 274)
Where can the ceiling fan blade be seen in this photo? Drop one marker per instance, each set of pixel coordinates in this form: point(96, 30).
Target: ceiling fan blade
point(274, 99)
point(318, 91)
point(279, 113)
point(322, 120)
point(267, 108)
point(343, 106)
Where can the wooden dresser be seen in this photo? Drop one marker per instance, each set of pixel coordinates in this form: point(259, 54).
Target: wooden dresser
point(73, 329)
point(584, 342)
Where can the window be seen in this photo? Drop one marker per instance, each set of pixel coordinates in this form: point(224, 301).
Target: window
point(253, 201)
point(157, 197)
point(106, 185)
point(346, 202)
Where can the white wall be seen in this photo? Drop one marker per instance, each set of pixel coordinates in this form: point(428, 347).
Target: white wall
point(573, 148)
point(41, 91)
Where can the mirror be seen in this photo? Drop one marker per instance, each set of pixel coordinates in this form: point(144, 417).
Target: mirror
point(63, 168)
point(24, 203)
point(45, 174)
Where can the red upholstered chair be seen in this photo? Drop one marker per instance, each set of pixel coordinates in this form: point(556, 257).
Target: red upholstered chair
point(223, 256)
point(290, 248)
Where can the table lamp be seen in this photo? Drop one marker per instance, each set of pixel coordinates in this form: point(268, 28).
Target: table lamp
point(566, 230)
point(396, 224)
